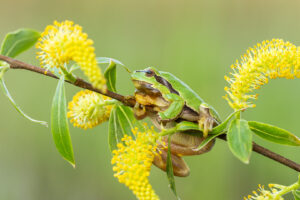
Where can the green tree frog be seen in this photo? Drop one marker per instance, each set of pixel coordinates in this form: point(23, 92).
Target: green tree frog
point(167, 101)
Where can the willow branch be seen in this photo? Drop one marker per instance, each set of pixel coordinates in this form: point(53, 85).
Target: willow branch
point(16, 64)
point(270, 154)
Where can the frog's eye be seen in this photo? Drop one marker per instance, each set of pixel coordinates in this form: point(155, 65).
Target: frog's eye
point(149, 73)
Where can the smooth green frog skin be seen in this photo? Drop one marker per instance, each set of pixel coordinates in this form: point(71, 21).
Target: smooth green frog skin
point(167, 101)
point(172, 98)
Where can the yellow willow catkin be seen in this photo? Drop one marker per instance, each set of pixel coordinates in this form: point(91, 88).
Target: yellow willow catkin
point(88, 109)
point(267, 60)
point(264, 194)
point(132, 162)
point(63, 42)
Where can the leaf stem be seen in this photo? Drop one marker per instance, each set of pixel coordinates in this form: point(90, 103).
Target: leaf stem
point(287, 189)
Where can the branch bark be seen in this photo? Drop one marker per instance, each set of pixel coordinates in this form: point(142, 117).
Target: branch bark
point(16, 64)
point(270, 154)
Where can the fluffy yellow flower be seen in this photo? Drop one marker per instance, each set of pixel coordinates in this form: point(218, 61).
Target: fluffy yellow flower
point(264, 194)
point(88, 109)
point(64, 42)
point(132, 162)
point(268, 60)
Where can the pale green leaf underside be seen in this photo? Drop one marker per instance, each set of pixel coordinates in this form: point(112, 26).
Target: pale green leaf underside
point(239, 137)
point(59, 124)
point(121, 122)
point(111, 74)
point(274, 134)
point(105, 60)
point(207, 140)
point(115, 133)
point(296, 194)
point(169, 170)
point(7, 94)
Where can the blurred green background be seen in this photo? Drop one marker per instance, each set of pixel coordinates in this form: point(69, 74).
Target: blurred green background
point(194, 39)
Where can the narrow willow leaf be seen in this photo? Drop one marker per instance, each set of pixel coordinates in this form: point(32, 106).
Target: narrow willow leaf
point(105, 60)
point(127, 120)
point(111, 75)
point(207, 140)
point(59, 124)
point(274, 134)
point(115, 133)
point(296, 194)
point(239, 138)
point(221, 127)
point(7, 94)
point(19, 41)
point(169, 170)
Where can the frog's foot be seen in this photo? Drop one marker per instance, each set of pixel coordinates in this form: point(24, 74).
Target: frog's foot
point(139, 111)
point(206, 121)
point(180, 168)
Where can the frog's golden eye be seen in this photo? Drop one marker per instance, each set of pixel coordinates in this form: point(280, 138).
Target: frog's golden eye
point(149, 73)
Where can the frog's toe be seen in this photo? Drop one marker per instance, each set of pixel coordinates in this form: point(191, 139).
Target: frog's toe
point(206, 121)
point(206, 124)
point(139, 111)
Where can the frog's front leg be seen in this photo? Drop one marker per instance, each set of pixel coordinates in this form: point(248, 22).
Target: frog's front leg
point(175, 108)
point(139, 111)
point(206, 120)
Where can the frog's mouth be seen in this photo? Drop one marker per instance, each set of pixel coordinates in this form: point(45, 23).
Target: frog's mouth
point(145, 87)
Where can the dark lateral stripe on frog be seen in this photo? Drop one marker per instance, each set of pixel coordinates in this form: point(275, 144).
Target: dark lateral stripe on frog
point(164, 82)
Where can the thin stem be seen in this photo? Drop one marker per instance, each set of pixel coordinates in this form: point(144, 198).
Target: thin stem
point(16, 64)
point(169, 131)
point(287, 189)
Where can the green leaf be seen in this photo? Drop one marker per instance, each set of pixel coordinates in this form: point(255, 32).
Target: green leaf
point(121, 122)
point(221, 127)
point(19, 41)
point(115, 133)
point(169, 170)
point(296, 194)
point(185, 125)
point(111, 75)
point(274, 134)
point(239, 138)
point(127, 120)
point(7, 94)
point(207, 140)
point(59, 124)
point(105, 60)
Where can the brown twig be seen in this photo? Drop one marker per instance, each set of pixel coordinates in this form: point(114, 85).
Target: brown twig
point(270, 154)
point(16, 64)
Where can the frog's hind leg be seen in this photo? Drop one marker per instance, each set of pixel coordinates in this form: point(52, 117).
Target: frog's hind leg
point(206, 121)
point(186, 144)
point(180, 168)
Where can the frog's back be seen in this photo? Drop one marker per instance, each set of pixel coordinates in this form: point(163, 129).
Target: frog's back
point(193, 100)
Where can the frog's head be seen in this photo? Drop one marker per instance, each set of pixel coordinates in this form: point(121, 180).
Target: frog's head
point(145, 79)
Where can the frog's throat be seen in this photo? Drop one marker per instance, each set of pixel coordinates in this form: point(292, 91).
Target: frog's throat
point(145, 87)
